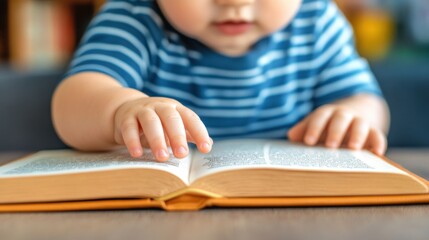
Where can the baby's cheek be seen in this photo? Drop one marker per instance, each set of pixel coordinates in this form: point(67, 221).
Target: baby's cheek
point(274, 15)
point(187, 16)
point(192, 26)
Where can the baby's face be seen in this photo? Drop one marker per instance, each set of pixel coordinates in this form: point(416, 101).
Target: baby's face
point(230, 27)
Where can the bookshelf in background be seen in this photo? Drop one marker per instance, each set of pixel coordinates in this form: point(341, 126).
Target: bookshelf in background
point(389, 29)
point(42, 34)
point(3, 32)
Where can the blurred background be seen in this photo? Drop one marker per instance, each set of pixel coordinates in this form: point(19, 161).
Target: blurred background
point(38, 37)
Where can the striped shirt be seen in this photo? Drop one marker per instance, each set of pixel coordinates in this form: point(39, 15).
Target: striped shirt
point(263, 93)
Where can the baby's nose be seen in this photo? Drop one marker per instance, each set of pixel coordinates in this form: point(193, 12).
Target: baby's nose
point(234, 2)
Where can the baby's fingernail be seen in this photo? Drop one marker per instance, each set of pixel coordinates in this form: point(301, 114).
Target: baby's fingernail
point(332, 144)
point(354, 145)
point(206, 146)
point(136, 152)
point(310, 140)
point(379, 151)
point(181, 150)
point(162, 154)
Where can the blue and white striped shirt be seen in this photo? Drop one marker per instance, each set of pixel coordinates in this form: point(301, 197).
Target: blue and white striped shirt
point(284, 77)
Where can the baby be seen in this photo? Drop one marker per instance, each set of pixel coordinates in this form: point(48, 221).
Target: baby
point(160, 73)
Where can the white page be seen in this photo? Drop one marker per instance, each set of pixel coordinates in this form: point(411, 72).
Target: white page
point(280, 154)
point(68, 161)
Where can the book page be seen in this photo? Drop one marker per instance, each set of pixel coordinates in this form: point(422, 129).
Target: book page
point(69, 161)
point(280, 154)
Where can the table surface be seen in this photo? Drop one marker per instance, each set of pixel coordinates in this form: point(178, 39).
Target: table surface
point(382, 222)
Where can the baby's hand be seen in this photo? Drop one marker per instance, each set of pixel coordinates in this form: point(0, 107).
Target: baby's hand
point(336, 125)
point(159, 122)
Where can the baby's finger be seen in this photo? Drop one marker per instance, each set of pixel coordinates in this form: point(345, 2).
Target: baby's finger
point(152, 128)
point(337, 129)
point(189, 138)
point(144, 141)
point(196, 128)
point(377, 141)
point(131, 138)
point(359, 131)
point(296, 133)
point(167, 141)
point(174, 128)
point(317, 123)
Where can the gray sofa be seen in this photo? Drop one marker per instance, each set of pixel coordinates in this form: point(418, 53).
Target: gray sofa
point(405, 86)
point(25, 122)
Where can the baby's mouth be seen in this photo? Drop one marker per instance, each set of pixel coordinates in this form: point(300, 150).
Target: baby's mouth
point(233, 27)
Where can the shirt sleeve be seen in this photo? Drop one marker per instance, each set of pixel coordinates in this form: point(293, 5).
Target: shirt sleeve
point(116, 43)
point(342, 72)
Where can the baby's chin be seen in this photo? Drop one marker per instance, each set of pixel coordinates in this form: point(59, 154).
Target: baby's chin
point(232, 51)
point(232, 47)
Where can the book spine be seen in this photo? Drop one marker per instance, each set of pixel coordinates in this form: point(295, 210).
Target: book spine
point(42, 33)
point(61, 32)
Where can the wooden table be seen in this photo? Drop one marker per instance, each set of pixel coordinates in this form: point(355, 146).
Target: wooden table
point(387, 222)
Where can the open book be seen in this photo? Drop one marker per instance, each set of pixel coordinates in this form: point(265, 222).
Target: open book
point(234, 169)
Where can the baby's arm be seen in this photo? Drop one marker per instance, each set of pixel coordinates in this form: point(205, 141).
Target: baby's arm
point(93, 112)
point(356, 122)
